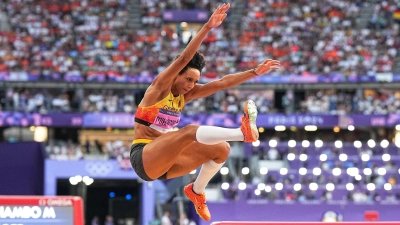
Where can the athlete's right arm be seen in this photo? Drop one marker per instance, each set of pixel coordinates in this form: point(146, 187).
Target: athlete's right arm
point(165, 78)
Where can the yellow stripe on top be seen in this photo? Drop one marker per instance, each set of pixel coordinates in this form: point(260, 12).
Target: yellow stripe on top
point(141, 141)
point(170, 103)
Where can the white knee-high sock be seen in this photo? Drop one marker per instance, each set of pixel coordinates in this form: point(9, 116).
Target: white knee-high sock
point(208, 170)
point(211, 135)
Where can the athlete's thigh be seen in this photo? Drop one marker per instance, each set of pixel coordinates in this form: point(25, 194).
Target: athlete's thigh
point(159, 155)
point(195, 155)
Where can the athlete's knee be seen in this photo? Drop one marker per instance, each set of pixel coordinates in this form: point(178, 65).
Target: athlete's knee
point(225, 150)
point(227, 145)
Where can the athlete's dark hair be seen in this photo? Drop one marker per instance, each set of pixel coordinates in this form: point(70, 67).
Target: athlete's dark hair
point(197, 62)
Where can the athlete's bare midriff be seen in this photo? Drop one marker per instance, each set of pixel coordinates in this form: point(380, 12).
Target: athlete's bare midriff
point(145, 132)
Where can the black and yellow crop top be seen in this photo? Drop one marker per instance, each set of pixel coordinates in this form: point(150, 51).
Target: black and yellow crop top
point(162, 116)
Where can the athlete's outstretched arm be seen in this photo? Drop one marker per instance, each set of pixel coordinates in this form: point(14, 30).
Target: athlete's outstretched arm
point(231, 80)
point(168, 75)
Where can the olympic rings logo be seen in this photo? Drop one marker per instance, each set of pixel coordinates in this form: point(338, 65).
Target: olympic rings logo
point(99, 168)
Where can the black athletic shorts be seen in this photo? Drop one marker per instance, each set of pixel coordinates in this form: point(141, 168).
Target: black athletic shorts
point(137, 162)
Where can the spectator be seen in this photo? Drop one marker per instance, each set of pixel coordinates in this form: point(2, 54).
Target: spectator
point(109, 220)
point(165, 220)
point(359, 196)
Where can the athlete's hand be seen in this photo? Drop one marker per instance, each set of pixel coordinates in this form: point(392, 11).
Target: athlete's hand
point(267, 66)
point(218, 16)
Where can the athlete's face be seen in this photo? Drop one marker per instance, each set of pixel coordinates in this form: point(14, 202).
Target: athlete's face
point(187, 80)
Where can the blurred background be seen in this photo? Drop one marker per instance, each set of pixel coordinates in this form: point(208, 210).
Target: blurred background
point(73, 72)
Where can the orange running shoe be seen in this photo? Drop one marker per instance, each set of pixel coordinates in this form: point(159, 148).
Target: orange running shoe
point(199, 202)
point(249, 127)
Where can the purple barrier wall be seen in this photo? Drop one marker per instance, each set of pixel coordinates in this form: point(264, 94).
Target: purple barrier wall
point(198, 16)
point(35, 119)
point(202, 16)
point(297, 120)
point(21, 168)
point(268, 211)
point(126, 120)
point(121, 120)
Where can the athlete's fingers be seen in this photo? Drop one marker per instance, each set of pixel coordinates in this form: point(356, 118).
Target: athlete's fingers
point(216, 10)
point(223, 17)
point(275, 67)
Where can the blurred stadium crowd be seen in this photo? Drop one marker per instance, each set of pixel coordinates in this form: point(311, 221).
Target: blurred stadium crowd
point(52, 39)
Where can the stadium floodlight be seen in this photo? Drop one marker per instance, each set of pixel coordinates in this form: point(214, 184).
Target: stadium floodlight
point(352, 171)
point(336, 129)
point(387, 186)
point(283, 171)
point(310, 128)
point(384, 143)
point(336, 171)
point(371, 186)
point(263, 170)
point(292, 143)
point(365, 157)
point(257, 192)
point(245, 170)
point(273, 143)
point(225, 186)
point(242, 186)
point(88, 181)
point(382, 171)
point(330, 187)
point(323, 157)
point(297, 187)
point(73, 181)
point(357, 144)
point(268, 188)
point(303, 171)
point(367, 171)
point(343, 157)
point(350, 186)
point(291, 156)
point(224, 170)
point(78, 178)
point(318, 143)
point(305, 144)
point(256, 143)
point(280, 128)
point(338, 144)
point(278, 186)
point(351, 128)
point(303, 157)
point(313, 186)
point(261, 186)
point(317, 171)
point(371, 143)
point(385, 157)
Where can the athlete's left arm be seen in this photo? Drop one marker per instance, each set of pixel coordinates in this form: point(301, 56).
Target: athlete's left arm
point(231, 80)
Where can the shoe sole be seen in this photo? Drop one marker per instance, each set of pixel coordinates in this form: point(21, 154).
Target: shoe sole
point(251, 113)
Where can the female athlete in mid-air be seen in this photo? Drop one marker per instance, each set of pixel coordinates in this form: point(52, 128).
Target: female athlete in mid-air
point(157, 153)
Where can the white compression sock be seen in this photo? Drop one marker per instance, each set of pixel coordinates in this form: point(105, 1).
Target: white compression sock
point(211, 135)
point(208, 170)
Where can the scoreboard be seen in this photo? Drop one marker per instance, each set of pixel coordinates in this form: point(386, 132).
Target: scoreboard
point(39, 210)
